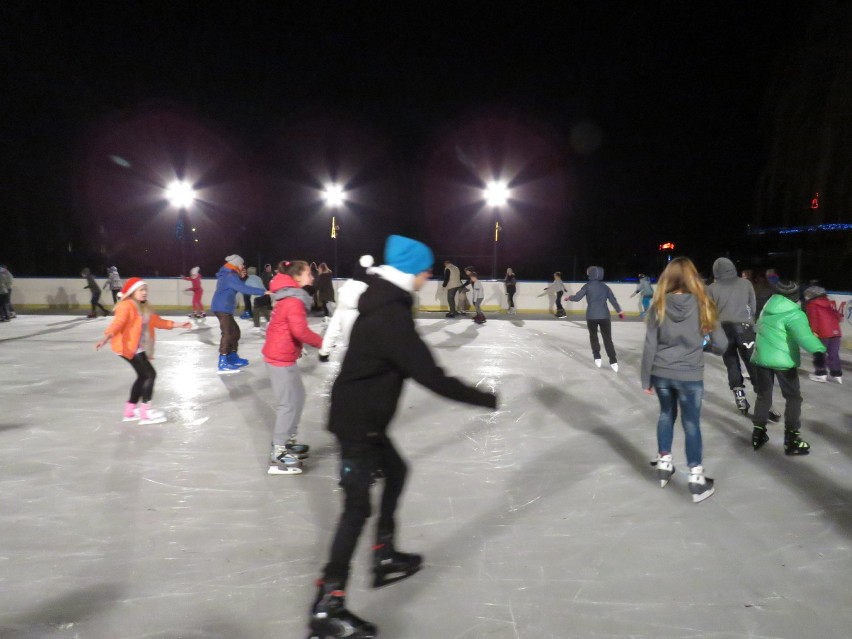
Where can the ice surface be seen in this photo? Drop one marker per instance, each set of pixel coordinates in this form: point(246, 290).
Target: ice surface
point(541, 520)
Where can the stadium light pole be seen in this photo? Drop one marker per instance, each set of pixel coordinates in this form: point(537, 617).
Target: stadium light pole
point(496, 195)
point(334, 196)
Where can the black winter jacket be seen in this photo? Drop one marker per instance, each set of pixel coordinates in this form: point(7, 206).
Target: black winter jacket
point(384, 350)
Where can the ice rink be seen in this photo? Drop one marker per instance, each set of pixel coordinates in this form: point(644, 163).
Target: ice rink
point(541, 520)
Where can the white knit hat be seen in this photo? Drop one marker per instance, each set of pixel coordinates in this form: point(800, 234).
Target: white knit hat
point(235, 259)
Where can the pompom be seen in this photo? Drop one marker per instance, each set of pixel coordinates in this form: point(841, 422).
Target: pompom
point(366, 261)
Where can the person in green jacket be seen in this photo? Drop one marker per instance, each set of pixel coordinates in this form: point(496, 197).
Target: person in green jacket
point(782, 330)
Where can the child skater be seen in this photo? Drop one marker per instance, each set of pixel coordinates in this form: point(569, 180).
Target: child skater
point(673, 366)
point(194, 280)
point(511, 288)
point(131, 336)
point(825, 323)
point(287, 331)
point(340, 326)
point(597, 314)
point(228, 284)
point(478, 294)
point(114, 283)
point(557, 288)
point(384, 350)
point(92, 285)
point(782, 330)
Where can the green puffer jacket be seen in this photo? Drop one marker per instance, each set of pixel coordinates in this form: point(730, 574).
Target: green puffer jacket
point(782, 330)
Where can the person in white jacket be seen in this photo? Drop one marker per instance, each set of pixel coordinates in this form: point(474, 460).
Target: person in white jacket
point(340, 326)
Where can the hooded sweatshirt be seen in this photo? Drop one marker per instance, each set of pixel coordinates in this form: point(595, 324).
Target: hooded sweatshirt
point(384, 350)
point(288, 326)
point(674, 349)
point(733, 295)
point(228, 284)
point(781, 331)
point(597, 293)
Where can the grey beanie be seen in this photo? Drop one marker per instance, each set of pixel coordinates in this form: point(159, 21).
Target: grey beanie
point(788, 289)
point(813, 291)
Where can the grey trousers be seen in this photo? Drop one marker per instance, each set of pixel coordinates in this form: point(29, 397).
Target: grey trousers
point(290, 399)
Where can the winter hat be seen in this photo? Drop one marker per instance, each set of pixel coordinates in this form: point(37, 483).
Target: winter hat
point(112, 269)
point(788, 289)
point(813, 291)
point(131, 285)
point(194, 270)
point(234, 260)
point(407, 255)
point(360, 272)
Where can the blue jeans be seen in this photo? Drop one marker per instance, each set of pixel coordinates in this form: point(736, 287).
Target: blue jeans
point(673, 393)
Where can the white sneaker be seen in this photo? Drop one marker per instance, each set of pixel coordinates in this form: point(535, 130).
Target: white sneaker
point(614, 367)
point(598, 363)
point(837, 379)
point(817, 378)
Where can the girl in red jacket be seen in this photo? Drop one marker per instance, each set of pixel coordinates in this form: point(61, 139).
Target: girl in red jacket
point(131, 335)
point(287, 332)
point(195, 286)
point(825, 323)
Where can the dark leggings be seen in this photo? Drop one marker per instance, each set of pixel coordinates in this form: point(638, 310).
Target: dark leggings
point(96, 304)
point(606, 332)
point(359, 462)
point(143, 387)
point(230, 341)
point(510, 291)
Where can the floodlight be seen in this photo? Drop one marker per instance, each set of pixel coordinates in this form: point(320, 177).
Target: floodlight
point(334, 195)
point(180, 194)
point(496, 193)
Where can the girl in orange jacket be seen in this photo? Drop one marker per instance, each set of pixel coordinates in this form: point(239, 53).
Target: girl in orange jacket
point(131, 336)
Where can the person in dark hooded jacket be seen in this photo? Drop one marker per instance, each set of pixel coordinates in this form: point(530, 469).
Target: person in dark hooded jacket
point(384, 350)
point(597, 294)
point(228, 284)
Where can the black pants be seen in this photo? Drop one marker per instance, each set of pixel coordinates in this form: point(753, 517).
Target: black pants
point(740, 346)
point(510, 291)
point(96, 304)
point(247, 302)
point(451, 298)
point(606, 332)
point(359, 462)
point(559, 301)
point(115, 292)
point(230, 340)
point(143, 387)
point(4, 299)
point(788, 380)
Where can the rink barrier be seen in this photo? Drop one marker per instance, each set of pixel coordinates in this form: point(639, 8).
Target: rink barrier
point(171, 294)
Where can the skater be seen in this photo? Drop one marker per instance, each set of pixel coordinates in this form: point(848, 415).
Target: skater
point(511, 287)
point(452, 284)
point(285, 335)
point(384, 350)
point(194, 280)
point(735, 303)
point(93, 286)
point(557, 289)
point(340, 327)
point(478, 294)
point(781, 331)
point(825, 323)
point(131, 336)
point(261, 305)
point(597, 314)
point(462, 303)
point(5, 296)
point(247, 313)
point(644, 289)
point(325, 291)
point(228, 284)
point(673, 366)
point(114, 283)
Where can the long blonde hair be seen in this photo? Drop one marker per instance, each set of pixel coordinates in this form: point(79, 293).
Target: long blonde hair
point(681, 276)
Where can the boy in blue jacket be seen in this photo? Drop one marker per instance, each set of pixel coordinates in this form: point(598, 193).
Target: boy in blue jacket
point(228, 284)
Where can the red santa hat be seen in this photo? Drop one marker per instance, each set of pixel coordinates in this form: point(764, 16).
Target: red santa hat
point(131, 285)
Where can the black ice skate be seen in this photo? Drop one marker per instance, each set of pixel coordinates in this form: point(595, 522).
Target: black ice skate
point(389, 565)
point(297, 450)
point(740, 399)
point(759, 436)
point(330, 618)
point(795, 445)
point(665, 469)
point(700, 486)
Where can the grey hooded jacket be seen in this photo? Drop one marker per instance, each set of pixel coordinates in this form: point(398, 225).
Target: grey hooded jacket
point(674, 348)
point(597, 293)
point(734, 296)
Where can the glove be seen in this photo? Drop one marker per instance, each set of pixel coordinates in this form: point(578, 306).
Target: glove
point(323, 358)
point(621, 316)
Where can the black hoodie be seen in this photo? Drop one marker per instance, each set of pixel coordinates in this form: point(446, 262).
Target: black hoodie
point(384, 350)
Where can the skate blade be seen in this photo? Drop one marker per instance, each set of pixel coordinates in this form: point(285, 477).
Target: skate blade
point(156, 420)
point(228, 372)
point(285, 470)
point(130, 419)
point(380, 581)
point(329, 629)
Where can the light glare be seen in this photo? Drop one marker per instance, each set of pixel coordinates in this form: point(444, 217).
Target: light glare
point(180, 194)
point(334, 195)
point(496, 193)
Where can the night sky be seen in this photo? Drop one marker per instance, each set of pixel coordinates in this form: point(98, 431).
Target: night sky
point(619, 125)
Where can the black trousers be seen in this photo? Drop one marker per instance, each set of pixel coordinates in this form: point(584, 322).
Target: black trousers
point(359, 462)
point(788, 380)
point(605, 327)
point(96, 304)
point(230, 340)
point(143, 387)
point(510, 291)
point(740, 346)
point(451, 298)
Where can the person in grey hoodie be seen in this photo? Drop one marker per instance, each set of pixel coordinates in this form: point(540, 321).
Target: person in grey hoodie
point(597, 314)
point(673, 366)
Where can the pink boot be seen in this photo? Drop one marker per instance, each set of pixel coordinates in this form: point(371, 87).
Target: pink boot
point(148, 415)
point(131, 413)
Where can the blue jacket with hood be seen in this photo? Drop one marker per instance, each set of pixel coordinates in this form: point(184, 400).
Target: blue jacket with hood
point(228, 284)
point(597, 293)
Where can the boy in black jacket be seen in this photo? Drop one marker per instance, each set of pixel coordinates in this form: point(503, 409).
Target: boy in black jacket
point(384, 350)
